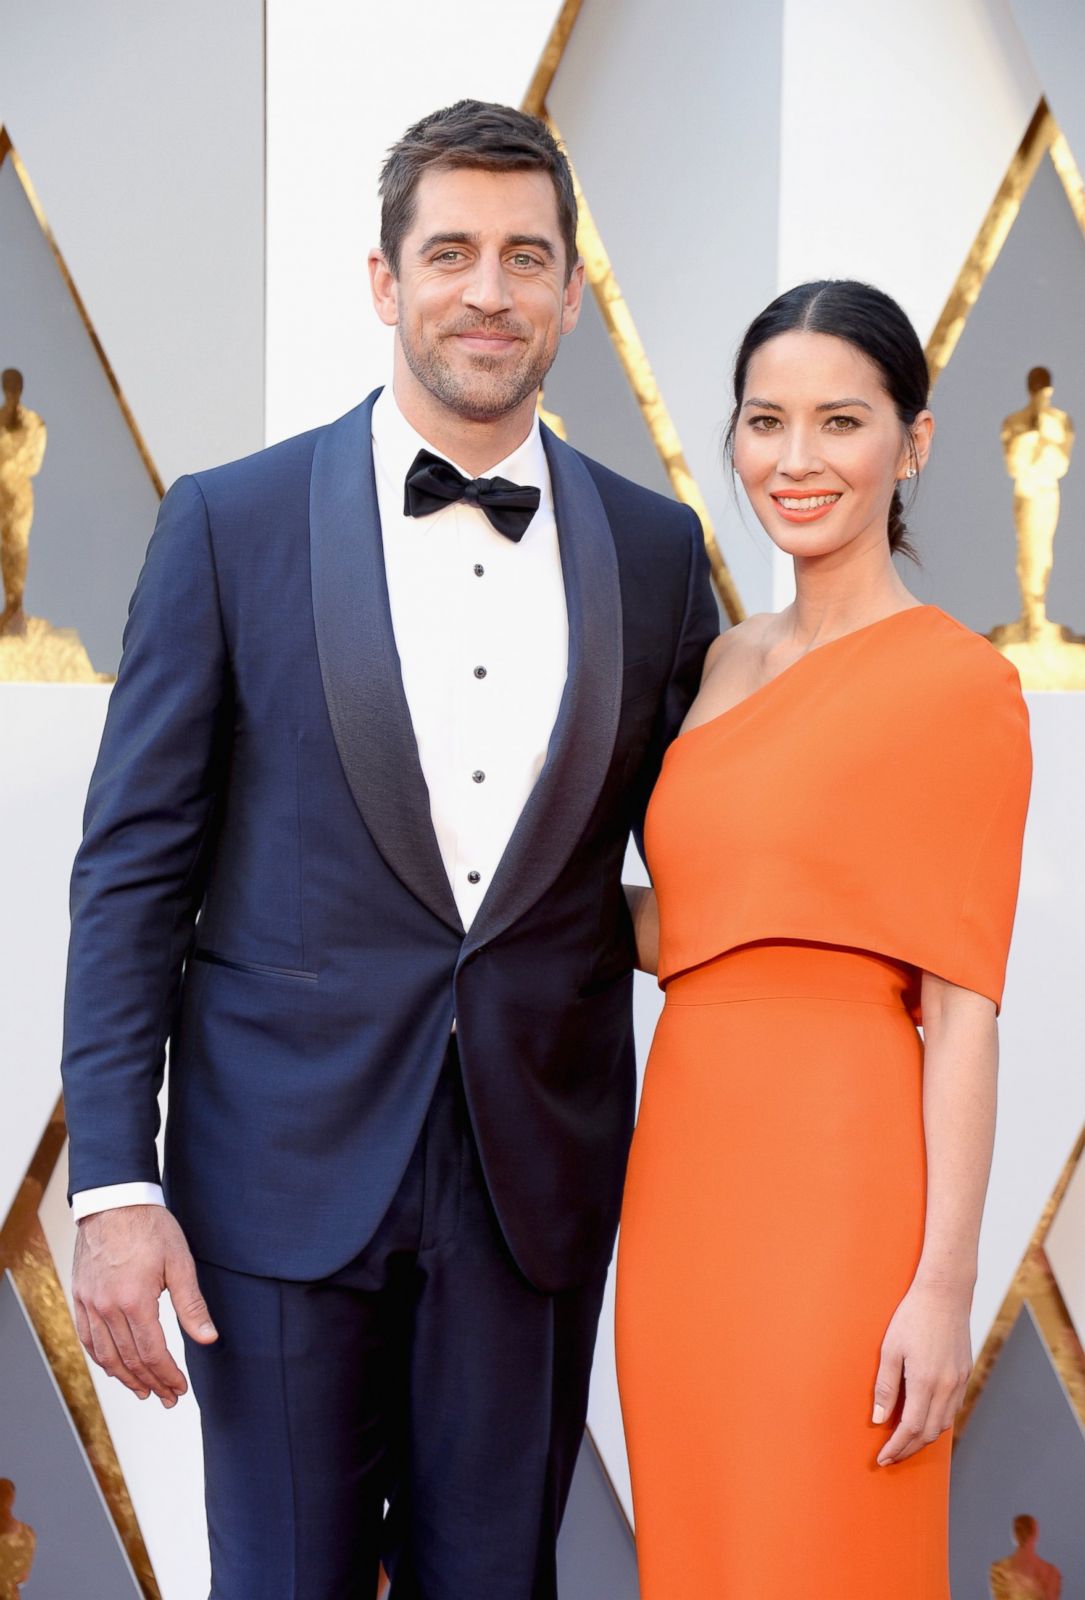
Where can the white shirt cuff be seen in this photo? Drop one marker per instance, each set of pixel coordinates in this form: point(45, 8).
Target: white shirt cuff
point(112, 1195)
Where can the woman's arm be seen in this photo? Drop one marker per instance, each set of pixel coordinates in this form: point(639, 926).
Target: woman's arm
point(645, 913)
point(927, 1344)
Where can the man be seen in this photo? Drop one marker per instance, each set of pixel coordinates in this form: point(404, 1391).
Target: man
point(354, 843)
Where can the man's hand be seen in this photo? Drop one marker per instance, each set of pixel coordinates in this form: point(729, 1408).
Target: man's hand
point(124, 1259)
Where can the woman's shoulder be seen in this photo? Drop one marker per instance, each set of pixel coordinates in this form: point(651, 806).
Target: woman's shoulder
point(963, 662)
point(738, 641)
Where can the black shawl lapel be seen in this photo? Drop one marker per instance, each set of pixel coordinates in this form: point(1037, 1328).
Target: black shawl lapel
point(359, 662)
point(581, 745)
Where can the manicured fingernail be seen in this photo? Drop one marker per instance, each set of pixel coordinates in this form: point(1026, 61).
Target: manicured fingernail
point(879, 1414)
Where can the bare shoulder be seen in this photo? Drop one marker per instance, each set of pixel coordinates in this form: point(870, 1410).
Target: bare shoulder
point(736, 644)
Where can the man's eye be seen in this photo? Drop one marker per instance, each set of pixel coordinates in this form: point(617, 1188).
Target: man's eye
point(522, 259)
point(449, 255)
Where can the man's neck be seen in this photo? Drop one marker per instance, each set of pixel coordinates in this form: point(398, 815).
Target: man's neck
point(475, 446)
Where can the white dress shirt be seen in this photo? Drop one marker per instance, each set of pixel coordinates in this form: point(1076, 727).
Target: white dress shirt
point(482, 632)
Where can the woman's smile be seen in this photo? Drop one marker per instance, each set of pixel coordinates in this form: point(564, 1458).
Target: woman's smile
point(805, 507)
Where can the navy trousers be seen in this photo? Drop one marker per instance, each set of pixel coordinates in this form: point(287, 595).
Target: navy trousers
point(428, 1374)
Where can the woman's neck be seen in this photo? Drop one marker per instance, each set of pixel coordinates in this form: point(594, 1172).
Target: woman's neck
point(836, 597)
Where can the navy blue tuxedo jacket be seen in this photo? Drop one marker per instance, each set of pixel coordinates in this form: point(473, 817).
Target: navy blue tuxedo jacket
point(260, 884)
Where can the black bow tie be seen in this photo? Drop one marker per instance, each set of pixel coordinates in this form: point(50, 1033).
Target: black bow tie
point(433, 483)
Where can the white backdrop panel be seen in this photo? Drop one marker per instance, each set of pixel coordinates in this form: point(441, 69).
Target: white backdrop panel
point(897, 131)
point(1042, 1087)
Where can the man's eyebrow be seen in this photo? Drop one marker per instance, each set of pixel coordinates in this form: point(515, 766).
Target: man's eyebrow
point(537, 241)
point(446, 238)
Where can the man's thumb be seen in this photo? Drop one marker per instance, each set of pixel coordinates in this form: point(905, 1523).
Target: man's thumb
point(189, 1303)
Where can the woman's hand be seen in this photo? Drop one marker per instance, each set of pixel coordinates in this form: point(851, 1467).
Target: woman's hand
point(927, 1351)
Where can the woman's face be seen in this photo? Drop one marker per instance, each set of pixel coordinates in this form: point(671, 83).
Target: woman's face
point(819, 446)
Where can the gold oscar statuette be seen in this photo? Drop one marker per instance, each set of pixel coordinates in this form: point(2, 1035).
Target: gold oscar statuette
point(17, 1545)
point(31, 650)
point(1024, 1575)
point(1037, 443)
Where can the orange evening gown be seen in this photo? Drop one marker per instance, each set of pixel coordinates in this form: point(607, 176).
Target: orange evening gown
point(851, 824)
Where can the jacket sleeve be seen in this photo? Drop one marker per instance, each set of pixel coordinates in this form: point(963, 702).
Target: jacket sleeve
point(138, 876)
point(700, 625)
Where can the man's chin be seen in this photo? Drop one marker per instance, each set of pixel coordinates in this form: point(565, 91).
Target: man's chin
point(486, 402)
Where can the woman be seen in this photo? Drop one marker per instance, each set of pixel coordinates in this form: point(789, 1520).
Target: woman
point(835, 844)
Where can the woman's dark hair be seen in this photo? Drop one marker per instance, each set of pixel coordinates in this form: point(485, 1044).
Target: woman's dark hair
point(875, 325)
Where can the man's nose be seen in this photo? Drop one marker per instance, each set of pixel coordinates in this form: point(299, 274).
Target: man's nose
point(487, 288)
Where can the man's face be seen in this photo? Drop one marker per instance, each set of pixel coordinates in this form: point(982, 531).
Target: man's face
point(481, 300)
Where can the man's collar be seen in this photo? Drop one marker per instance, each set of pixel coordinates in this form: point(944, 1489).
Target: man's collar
point(396, 443)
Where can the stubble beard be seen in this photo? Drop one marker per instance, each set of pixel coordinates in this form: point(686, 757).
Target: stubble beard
point(489, 391)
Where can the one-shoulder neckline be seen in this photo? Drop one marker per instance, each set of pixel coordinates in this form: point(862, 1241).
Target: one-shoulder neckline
point(843, 638)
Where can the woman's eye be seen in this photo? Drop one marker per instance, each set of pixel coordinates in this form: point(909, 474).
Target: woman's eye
point(843, 424)
point(765, 424)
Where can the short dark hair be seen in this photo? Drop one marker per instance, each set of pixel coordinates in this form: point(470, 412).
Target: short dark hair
point(866, 318)
point(1038, 378)
point(472, 133)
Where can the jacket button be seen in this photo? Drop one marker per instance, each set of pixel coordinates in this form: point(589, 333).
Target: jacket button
point(479, 569)
point(474, 877)
point(480, 672)
point(479, 777)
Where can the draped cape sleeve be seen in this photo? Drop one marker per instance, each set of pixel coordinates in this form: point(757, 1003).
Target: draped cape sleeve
point(872, 796)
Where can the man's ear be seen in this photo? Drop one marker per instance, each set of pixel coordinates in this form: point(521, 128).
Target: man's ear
point(382, 283)
point(573, 297)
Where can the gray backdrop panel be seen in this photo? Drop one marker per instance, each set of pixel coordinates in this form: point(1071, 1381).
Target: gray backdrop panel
point(672, 119)
point(142, 127)
point(589, 391)
point(1031, 312)
point(1054, 31)
point(596, 1556)
point(1022, 1451)
point(95, 504)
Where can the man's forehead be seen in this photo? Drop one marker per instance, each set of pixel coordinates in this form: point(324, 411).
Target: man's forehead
point(474, 200)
